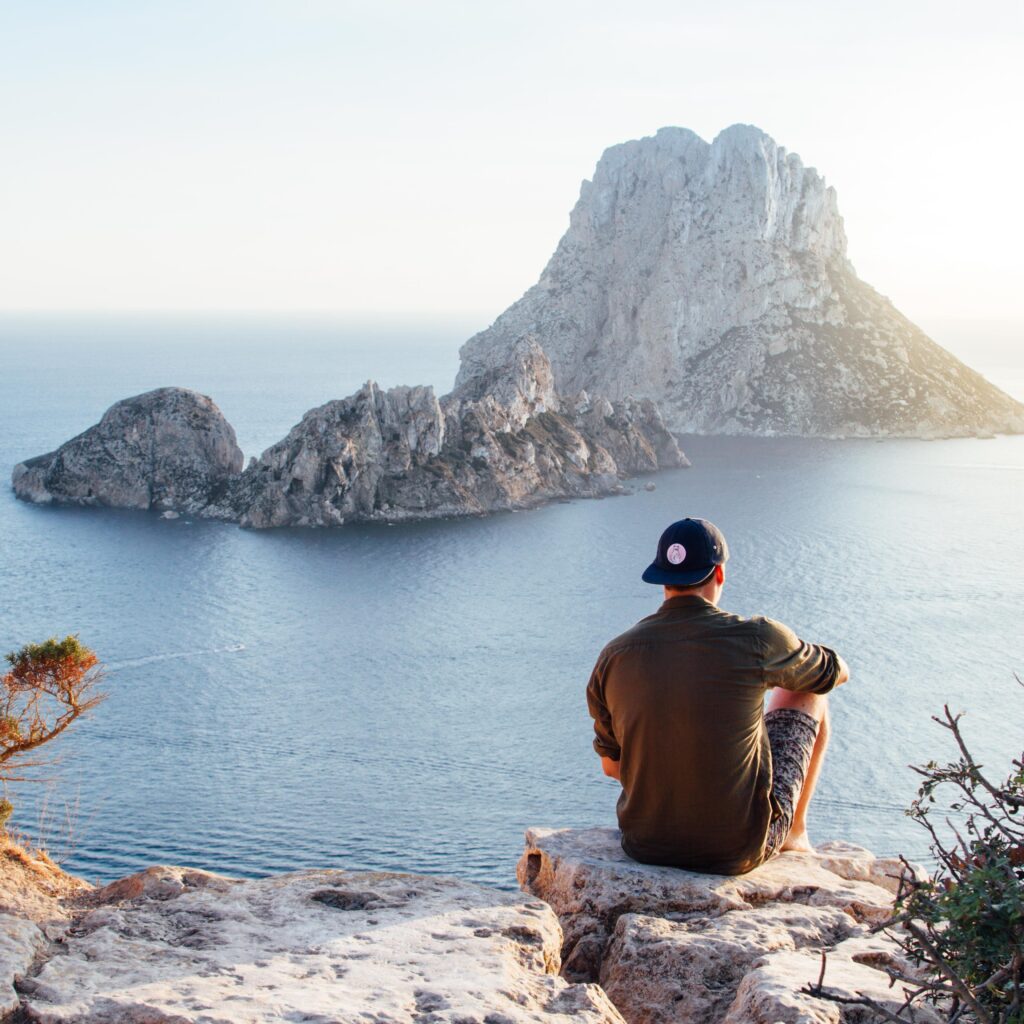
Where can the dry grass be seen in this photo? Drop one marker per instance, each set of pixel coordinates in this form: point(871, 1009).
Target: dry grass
point(34, 886)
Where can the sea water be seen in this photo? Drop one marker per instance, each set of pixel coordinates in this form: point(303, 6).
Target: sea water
point(412, 697)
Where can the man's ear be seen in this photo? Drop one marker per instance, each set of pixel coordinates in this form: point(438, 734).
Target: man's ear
point(719, 574)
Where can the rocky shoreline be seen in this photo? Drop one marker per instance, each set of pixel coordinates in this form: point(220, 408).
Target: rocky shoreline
point(593, 937)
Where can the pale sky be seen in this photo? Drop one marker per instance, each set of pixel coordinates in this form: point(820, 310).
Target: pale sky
point(338, 155)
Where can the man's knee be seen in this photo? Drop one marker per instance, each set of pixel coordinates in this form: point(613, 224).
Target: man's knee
point(813, 704)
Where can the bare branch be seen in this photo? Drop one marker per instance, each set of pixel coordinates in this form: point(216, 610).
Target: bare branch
point(955, 980)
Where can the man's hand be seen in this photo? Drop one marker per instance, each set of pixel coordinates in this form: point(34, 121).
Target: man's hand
point(610, 767)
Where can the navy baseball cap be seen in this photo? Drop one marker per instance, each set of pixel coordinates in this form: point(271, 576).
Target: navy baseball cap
point(688, 552)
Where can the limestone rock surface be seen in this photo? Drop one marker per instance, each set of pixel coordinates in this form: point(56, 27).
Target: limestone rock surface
point(713, 279)
point(181, 946)
point(21, 941)
point(773, 991)
point(166, 449)
point(32, 912)
point(675, 946)
point(173, 945)
point(656, 969)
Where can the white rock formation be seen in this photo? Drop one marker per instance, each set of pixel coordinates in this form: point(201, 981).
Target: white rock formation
point(675, 946)
point(772, 991)
point(713, 279)
point(188, 947)
point(179, 946)
point(509, 442)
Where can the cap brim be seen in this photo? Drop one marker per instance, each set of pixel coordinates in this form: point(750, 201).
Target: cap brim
point(654, 574)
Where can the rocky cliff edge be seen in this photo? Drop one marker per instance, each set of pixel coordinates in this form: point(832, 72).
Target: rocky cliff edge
point(595, 937)
point(676, 946)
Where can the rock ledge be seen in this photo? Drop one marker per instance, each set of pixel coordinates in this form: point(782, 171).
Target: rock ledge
point(190, 947)
point(173, 945)
point(669, 945)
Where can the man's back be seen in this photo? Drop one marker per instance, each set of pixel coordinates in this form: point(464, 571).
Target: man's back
point(678, 700)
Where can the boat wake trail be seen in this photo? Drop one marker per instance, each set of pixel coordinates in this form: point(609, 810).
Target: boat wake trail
point(115, 666)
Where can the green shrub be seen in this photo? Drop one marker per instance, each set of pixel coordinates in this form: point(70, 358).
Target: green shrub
point(962, 929)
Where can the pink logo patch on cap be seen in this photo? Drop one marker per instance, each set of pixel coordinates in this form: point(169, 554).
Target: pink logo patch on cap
point(676, 553)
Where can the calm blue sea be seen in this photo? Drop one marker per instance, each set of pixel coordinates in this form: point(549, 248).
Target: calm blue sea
point(412, 697)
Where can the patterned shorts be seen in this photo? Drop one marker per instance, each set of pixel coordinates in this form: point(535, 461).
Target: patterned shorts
point(791, 735)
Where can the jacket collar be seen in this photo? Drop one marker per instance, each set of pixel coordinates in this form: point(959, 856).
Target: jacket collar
point(688, 603)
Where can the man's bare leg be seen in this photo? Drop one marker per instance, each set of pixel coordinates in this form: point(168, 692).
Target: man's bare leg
point(817, 707)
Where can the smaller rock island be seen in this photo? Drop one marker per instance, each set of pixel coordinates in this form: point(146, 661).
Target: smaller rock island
point(169, 449)
point(507, 441)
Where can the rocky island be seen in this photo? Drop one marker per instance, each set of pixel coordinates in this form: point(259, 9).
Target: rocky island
point(713, 278)
point(594, 937)
point(506, 440)
point(170, 449)
point(700, 288)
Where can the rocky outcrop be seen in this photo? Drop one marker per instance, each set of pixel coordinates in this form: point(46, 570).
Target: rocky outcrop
point(509, 441)
point(671, 946)
point(178, 945)
point(713, 279)
point(172, 944)
point(169, 449)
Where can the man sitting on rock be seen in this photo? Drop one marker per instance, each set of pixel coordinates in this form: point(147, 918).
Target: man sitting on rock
point(710, 781)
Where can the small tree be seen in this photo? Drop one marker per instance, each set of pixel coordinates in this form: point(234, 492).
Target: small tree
point(47, 687)
point(962, 930)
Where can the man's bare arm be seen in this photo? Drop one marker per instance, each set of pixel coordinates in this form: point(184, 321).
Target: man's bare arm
point(610, 767)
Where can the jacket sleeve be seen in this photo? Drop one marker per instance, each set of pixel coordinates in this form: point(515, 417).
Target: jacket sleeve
point(605, 742)
point(795, 664)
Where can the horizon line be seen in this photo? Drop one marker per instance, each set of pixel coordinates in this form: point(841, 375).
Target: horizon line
point(239, 311)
